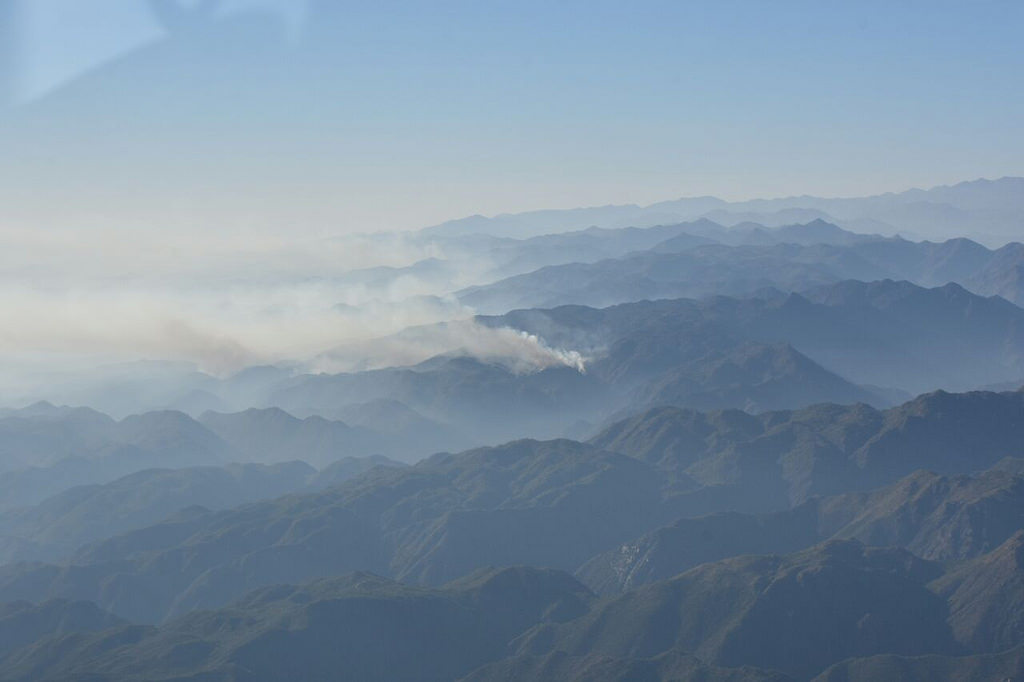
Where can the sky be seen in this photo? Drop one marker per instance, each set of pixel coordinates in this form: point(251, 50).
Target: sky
point(337, 117)
point(191, 180)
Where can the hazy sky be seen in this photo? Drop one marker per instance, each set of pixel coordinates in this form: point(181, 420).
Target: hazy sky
point(181, 180)
point(348, 116)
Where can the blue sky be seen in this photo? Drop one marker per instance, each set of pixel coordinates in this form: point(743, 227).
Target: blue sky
point(339, 116)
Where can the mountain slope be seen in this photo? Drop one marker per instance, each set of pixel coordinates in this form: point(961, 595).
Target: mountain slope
point(669, 667)
point(53, 529)
point(936, 517)
point(272, 435)
point(528, 502)
point(357, 627)
point(777, 458)
point(883, 333)
point(1008, 665)
point(793, 258)
point(693, 273)
point(986, 598)
point(22, 624)
point(45, 451)
point(797, 614)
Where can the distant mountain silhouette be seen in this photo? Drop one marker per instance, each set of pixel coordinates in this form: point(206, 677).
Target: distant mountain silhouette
point(271, 434)
point(792, 258)
point(986, 209)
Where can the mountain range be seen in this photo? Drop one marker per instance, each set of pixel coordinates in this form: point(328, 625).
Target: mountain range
point(791, 258)
point(765, 441)
point(988, 209)
point(784, 545)
point(538, 503)
point(847, 342)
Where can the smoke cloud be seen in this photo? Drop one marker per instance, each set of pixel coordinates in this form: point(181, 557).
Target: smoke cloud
point(517, 350)
point(73, 299)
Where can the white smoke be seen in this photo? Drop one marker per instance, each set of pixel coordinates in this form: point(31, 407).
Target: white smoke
point(519, 351)
point(223, 302)
point(569, 358)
